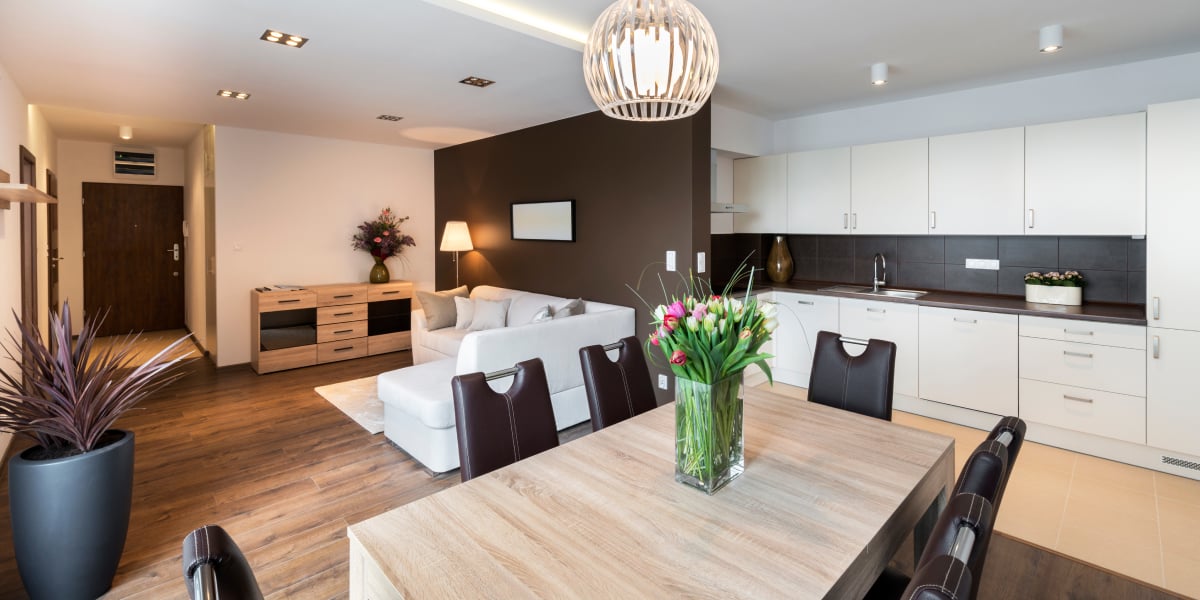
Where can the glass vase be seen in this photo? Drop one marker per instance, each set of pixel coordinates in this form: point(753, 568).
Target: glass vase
point(379, 272)
point(708, 432)
point(779, 261)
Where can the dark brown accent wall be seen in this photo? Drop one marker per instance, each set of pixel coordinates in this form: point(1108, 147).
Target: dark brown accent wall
point(640, 189)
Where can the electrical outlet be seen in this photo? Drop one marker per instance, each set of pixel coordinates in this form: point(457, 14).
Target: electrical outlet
point(662, 381)
point(699, 262)
point(990, 264)
point(670, 260)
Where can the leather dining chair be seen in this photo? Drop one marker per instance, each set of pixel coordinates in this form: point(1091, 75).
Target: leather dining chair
point(214, 567)
point(1010, 432)
point(985, 472)
point(952, 564)
point(861, 384)
point(496, 429)
point(616, 390)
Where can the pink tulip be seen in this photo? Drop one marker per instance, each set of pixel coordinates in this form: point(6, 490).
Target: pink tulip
point(670, 322)
point(700, 311)
point(654, 338)
point(678, 357)
point(677, 310)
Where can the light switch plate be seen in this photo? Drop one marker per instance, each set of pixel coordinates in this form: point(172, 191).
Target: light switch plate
point(699, 262)
point(990, 264)
point(670, 260)
point(662, 381)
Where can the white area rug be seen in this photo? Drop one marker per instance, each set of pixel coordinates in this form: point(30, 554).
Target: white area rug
point(359, 399)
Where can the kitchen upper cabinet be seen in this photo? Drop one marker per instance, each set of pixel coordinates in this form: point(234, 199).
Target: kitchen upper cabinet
point(889, 189)
point(895, 322)
point(818, 191)
point(977, 183)
point(801, 316)
point(969, 359)
point(1173, 212)
point(761, 184)
point(1172, 407)
point(1086, 177)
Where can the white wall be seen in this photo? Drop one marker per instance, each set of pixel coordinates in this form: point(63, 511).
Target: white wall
point(286, 207)
point(92, 162)
point(1097, 92)
point(740, 132)
point(193, 244)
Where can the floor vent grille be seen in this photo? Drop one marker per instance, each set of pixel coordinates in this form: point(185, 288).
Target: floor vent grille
point(1179, 462)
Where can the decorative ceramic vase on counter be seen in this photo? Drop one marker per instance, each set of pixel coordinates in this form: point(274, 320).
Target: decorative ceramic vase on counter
point(1052, 294)
point(379, 272)
point(779, 261)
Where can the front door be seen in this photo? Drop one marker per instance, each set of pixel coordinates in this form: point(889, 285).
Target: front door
point(133, 256)
point(52, 257)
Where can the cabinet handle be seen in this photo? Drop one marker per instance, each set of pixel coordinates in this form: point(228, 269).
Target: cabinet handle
point(1077, 332)
point(1154, 346)
point(853, 220)
point(1078, 399)
point(1154, 304)
point(805, 302)
point(391, 292)
point(289, 301)
point(877, 310)
point(845, 220)
point(343, 314)
point(1079, 354)
point(343, 331)
point(343, 296)
point(972, 321)
point(1031, 218)
point(346, 349)
point(933, 219)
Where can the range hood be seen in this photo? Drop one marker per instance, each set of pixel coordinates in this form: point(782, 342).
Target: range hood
point(721, 207)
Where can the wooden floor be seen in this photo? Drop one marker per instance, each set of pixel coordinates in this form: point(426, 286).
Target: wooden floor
point(285, 473)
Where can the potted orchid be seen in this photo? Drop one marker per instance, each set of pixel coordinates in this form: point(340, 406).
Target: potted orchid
point(708, 341)
point(383, 239)
point(1054, 288)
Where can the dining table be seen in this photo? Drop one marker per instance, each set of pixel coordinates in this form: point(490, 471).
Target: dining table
point(827, 498)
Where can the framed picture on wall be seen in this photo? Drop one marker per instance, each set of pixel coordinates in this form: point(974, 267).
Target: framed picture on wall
point(552, 220)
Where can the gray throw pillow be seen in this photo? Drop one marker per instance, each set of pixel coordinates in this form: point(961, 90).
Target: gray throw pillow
point(439, 307)
point(489, 314)
point(570, 309)
point(544, 313)
point(466, 311)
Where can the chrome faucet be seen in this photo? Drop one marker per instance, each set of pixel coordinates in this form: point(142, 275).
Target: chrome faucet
point(878, 262)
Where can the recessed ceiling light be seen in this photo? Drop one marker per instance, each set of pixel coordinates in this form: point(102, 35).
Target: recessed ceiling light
point(1050, 39)
point(879, 74)
point(233, 94)
point(477, 81)
point(285, 39)
point(388, 118)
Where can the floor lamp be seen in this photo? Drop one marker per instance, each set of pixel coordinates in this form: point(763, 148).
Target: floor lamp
point(456, 238)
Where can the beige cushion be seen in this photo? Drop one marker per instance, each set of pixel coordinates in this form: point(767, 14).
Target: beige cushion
point(489, 314)
point(466, 311)
point(570, 309)
point(439, 307)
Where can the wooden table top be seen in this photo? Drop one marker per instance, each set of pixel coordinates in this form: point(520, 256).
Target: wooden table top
point(827, 498)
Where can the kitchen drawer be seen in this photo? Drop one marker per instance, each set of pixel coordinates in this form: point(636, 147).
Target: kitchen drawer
point(341, 350)
point(1119, 370)
point(286, 300)
point(395, 290)
point(1116, 416)
point(389, 342)
point(333, 295)
point(341, 314)
point(341, 331)
point(1084, 332)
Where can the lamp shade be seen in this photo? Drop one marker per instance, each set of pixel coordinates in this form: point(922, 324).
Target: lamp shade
point(456, 237)
point(650, 60)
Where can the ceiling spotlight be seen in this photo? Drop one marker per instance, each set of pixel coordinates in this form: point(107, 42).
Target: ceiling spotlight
point(233, 94)
point(1050, 39)
point(285, 39)
point(477, 81)
point(879, 74)
point(125, 132)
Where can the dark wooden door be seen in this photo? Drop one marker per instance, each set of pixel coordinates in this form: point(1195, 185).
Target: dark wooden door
point(133, 256)
point(52, 257)
point(29, 278)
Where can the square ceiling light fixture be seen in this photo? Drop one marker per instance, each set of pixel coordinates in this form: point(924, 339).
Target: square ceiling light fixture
point(233, 94)
point(286, 39)
point(477, 81)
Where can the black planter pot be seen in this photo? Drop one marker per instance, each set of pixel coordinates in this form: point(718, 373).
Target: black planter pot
point(69, 519)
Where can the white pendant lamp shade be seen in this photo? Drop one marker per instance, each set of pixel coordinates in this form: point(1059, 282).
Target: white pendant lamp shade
point(650, 60)
point(456, 237)
point(125, 132)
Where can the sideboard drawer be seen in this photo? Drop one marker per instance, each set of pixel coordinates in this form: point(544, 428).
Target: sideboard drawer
point(333, 295)
point(1084, 332)
point(341, 350)
point(341, 331)
point(1106, 414)
point(395, 290)
point(389, 342)
point(286, 300)
point(341, 314)
point(1119, 370)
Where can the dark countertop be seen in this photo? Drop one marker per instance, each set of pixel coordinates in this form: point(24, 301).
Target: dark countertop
point(1124, 314)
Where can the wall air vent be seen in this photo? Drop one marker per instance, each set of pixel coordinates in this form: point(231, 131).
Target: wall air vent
point(133, 162)
point(1179, 462)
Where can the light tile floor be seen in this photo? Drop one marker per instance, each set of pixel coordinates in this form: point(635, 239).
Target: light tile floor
point(1134, 521)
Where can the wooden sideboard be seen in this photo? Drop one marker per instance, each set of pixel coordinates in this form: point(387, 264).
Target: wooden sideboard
point(326, 323)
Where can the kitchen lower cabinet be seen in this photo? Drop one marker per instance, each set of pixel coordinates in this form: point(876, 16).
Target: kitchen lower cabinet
point(895, 322)
point(969, 359)
point(801, 316)
point(1172, 400)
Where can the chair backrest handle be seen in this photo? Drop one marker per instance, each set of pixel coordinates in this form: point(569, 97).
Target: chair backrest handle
point(509, 372)
point(850, 340)
point(204, 582)
point(964, 541)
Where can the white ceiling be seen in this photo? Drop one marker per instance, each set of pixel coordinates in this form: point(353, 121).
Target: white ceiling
point(88, 63)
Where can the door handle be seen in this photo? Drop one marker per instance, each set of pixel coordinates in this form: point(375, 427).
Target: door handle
point(1030, 218)
point(933, 219)
point(1155, 307)
point(853, 220)
point(845, 220)
point(1154, 346)
point(174, 250)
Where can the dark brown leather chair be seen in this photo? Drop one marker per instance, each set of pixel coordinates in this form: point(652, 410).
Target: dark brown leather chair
point(214, 567)
point(497, 429)
point(861, 384)
point(1015, 430)
point(984, 472)
point(616, 390)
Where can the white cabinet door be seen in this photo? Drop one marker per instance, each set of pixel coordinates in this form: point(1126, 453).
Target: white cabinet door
point(819, 191)
point(1086, 177)
point(1172, 213)
point(761, 184)
point(890, 188)
point(801, 316)
point(892, 321)
point(969, 359)
point(1172, 401)
point(977, 183)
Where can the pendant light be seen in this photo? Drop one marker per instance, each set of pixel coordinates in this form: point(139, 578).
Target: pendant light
point(650, 60)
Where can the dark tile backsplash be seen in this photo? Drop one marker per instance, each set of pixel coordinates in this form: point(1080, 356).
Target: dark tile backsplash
point(1114, 267)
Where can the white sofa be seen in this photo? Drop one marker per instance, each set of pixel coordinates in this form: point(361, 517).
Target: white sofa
point(417, 401)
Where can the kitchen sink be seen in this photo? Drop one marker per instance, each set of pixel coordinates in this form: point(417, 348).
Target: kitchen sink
point(866, 291)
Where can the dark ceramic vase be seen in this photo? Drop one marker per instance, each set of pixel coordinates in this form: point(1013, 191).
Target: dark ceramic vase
point(779, 261)
point(69, 519)
point(379, 272)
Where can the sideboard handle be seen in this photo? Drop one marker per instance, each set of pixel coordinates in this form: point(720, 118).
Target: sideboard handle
point(392, 292)
point(343, 314)
point(289, 301)
point(343, 296)
point(346, 349)
point(343, 331)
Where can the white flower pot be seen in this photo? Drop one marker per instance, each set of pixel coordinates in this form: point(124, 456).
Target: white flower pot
point(1053, 294)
